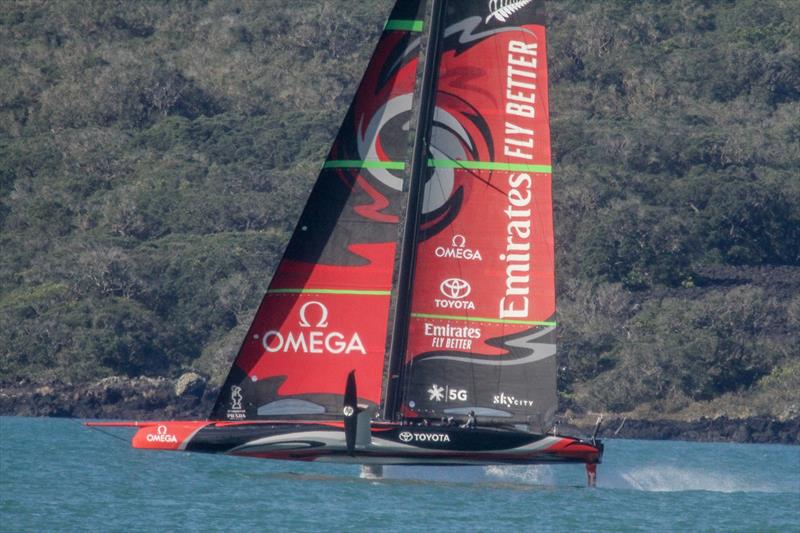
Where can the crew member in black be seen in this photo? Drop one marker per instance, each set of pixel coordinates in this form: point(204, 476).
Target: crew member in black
point(471, 421)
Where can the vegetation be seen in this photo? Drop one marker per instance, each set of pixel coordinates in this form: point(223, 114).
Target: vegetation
point(154, 157)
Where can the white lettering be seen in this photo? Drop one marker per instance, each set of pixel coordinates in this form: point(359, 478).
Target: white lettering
point(521, 110)
point(431, 437)
point(334, 343)
point(296, 344)
point(515, 302)
point(458, 253)
point(521, 65)
point(356, 345)
point(162, 438)
point(268, 345)
point(519, 47)
point(432, 330)
point(314, 342)
point(453, 304)
point(510, 401)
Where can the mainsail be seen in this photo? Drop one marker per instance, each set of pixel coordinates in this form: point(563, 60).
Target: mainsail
point(424, 257)
point(482, 312)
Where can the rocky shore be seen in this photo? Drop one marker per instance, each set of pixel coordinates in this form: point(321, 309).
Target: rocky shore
point(190, 397)
point(115, 397)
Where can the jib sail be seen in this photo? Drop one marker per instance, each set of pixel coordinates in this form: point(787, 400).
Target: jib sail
point(326, 310)
point(482, 312)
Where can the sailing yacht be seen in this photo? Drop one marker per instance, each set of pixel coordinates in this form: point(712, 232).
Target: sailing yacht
point(412, 317)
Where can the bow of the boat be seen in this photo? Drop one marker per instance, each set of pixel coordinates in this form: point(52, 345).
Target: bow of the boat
point(158, 435)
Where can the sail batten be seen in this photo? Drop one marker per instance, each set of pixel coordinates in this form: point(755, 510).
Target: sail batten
point(489, 165)
point(488, 320)
point(404, 25)
point(311, 290)
point(357, 164)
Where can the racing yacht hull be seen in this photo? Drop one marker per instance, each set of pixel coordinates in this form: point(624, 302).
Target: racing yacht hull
point(386, 444)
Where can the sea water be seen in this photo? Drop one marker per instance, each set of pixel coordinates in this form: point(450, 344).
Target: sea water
point(56, 475)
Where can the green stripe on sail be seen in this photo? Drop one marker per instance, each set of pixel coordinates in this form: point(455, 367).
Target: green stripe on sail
point(484, 319)
point(306, 290)
point(488, 165)
point(356, 163)
point(403, 25)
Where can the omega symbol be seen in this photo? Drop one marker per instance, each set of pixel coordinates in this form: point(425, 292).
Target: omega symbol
point(323, 319)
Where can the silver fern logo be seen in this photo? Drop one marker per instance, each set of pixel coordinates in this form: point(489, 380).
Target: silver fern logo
point(502, 9)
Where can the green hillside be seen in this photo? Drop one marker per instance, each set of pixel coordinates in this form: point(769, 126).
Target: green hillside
point(155, 155)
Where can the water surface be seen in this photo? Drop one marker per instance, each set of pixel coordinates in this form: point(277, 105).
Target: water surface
point(59, 476)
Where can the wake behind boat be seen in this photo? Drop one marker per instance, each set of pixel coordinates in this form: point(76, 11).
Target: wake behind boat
point(412, 317)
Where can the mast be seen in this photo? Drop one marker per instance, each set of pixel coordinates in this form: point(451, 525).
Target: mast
point(408, 241)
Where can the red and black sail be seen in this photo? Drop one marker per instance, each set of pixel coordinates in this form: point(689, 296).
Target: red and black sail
point(482, 311)
point(326, 310)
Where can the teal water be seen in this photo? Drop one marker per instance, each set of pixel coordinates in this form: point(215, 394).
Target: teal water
point(56, 475)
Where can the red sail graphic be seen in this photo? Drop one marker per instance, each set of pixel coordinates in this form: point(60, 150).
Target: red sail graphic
point(483, 301)
point(326, 310)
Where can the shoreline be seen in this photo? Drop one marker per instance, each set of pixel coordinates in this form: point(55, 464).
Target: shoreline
point(190, 398)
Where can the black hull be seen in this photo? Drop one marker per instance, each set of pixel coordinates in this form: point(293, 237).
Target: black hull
point(385, 444)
